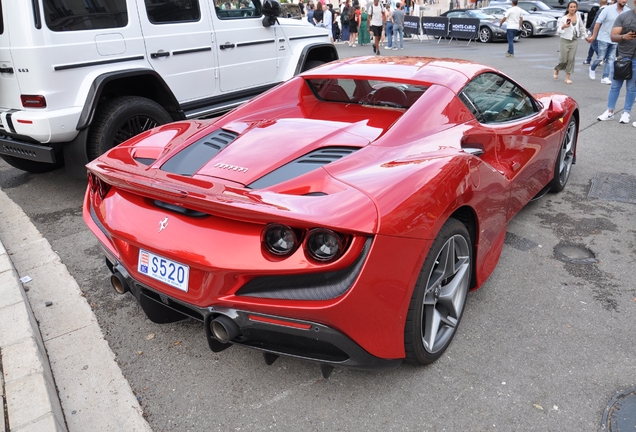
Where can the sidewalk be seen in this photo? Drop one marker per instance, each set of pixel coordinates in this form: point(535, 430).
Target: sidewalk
point(58, 372)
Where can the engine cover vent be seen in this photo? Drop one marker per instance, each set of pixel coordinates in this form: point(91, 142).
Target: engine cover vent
point(192, 158)
point(303, 165)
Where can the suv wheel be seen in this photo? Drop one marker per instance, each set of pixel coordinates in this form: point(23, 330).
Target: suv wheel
point(122, 118)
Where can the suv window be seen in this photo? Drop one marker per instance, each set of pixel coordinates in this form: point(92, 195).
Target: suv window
point(494, 99)
point(172, 11)
point(63, 15)
point(232, 9)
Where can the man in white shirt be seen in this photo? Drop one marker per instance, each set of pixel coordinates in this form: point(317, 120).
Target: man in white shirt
point(515, 20)
point(327, 19)
point(376, 19)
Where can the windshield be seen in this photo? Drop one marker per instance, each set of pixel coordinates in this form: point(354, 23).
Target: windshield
point(366, 92)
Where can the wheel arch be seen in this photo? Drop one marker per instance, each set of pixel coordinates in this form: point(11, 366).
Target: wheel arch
point(325, 52)
point(139, 82)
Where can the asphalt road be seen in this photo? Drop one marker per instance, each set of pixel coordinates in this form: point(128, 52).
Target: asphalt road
point(543, 345)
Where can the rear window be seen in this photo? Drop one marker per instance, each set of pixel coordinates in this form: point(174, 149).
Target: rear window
point(64, 15)
point(367, 92)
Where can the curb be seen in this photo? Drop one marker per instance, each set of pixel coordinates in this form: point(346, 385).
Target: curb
point(72, 365)
point(32, 403)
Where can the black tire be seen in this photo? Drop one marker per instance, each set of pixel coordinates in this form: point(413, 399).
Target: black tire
point(439, 296)
point(565, 158)
point(485, 34)
point(312, 64)
point(526, 30)
point(33, 166)
point(122, 118)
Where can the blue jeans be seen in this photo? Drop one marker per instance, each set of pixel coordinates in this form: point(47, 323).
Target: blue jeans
point(607, 53)
point(593, 50)
point(398, 31)
point(510, 34)
point(615, 90)
point(389, 33)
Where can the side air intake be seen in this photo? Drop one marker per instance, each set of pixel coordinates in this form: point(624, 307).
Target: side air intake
point(303, 165)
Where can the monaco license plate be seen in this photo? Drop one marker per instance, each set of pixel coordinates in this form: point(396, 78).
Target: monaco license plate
point(162, 269)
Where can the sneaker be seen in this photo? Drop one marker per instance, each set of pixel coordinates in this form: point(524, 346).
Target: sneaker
point(586, 62)
point(606, 116)
point(378, 52)
point(509, 55)
point(634, 124)
point(374, 50)
point(606, 81)
point(395, 49)
point(592, 74)
point(624, 118)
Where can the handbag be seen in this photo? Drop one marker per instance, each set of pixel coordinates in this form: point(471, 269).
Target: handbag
point(623, 67)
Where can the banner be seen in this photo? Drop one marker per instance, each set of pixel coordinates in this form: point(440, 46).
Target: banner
point(435, 26)
point(411, 25)
point(464, 28)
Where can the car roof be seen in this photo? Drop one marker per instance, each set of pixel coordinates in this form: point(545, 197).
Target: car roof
point(452, 73)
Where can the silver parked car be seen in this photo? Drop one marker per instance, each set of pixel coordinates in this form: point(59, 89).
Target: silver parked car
point(534, 24)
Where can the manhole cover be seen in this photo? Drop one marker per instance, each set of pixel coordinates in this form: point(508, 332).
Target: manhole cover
point(574, 253)
point(620, 414)
point(613, 187)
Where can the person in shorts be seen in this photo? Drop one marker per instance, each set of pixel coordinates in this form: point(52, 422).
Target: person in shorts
point(376, 15)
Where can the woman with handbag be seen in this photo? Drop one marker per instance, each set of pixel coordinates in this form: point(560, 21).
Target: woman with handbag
point(571, 28)
point(623, 33)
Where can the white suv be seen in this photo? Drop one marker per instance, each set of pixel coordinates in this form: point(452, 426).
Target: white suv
point(80, 76)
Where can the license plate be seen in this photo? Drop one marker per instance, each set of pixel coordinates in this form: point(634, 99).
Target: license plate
point(167, 271)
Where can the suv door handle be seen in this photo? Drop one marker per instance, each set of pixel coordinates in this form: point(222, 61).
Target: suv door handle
point(159, 54)
point(227, 46)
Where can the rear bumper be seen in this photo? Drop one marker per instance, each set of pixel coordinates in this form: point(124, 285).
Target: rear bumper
point(277, 335)
point(25, 150)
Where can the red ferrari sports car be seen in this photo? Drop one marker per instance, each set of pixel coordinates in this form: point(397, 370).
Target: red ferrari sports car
point(342, 217)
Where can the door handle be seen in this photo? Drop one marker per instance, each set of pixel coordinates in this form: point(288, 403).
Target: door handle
point(159, 54)
point(227, 46)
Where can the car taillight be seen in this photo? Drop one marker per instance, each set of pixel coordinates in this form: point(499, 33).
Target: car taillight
point(98, 186)
point(280, 240)
point(33, 101)
point(320, 244)
point(324, 245)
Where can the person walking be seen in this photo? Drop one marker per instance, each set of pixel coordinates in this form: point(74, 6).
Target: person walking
point(590, 30)
point(398, 26)
point(327, 19)
point(570, 27)
point(624, 35)
point(354, 23)
point(344, 20)
point(376, 18)
point(363, 30)
point(514, 16)
point(388, 26)
point(606, 48)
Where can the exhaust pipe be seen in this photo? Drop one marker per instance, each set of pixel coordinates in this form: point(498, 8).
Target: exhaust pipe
point(118, 282)
point(224, 329)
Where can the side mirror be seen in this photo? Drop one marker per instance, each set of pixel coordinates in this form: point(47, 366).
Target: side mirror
point(555, 111)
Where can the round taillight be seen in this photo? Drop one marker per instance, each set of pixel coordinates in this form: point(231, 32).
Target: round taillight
point(280, 239)
point(324, 244)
